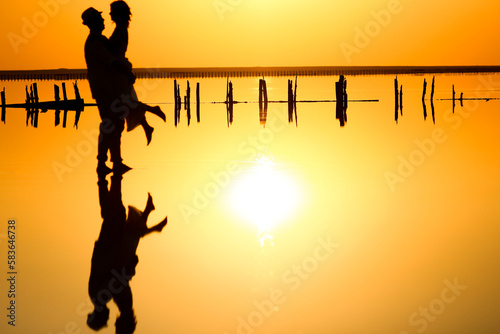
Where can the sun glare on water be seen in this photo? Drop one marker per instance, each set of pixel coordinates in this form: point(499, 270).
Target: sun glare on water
point(264, 197)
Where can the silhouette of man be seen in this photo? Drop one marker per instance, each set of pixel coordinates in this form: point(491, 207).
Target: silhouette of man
point(103, 70)
point(114, 258)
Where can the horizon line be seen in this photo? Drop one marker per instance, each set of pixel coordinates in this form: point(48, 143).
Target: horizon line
point(253, 71)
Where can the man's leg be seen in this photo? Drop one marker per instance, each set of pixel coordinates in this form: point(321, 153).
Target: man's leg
point(104, 144)
point(105, 130)
point(115, 141)
point(115, 147)
point(112, 126)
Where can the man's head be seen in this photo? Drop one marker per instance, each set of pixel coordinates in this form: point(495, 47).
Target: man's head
point(92, 18)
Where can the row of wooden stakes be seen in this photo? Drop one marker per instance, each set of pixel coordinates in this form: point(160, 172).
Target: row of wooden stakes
point(398, 93)
point(34, 106)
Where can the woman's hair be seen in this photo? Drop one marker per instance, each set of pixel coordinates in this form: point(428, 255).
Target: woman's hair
point(120, 11)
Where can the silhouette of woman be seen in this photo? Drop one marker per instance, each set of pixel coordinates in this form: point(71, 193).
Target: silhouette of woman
point(120, 14)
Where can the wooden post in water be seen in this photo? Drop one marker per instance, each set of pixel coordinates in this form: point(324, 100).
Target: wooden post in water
point(176, 101)
point(432, 88)
point(198, 102)
point(425, 88)
point(462, 99)
point(57, 98)
point(3, 105)
point(401, 100)
point(78, 111)
point(423, 99)
point(295, 92)
point(396, 94)
point(453, 96)
point(28, 101)
point(229, 102)
point(432, 111)
point(188, 103)
point(345, 94)
point(339, 90)
point(65, 97)
point(261, 94)
point(264, 90)
point(35, 100)
point(35, 92)
point(77, 92)
point(262, 102)
point(432, 100)
point(186, 97)
point(290, 101)
point(179, 103)
point(295, 102)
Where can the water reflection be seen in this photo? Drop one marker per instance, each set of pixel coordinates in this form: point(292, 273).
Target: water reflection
point(114, 258)
point(344, 194)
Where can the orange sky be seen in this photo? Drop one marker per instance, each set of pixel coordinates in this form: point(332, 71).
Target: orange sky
point(190, 33)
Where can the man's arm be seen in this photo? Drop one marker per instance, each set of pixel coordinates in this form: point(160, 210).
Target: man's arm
point(97, 51)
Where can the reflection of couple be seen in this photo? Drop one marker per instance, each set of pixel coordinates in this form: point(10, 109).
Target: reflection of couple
point(114, 257)
point(111, 83)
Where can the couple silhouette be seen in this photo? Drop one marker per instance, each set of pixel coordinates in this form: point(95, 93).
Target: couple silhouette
point(114, 258)
point(111, 82)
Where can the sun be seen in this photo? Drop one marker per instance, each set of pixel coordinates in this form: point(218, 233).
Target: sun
point(264, 196)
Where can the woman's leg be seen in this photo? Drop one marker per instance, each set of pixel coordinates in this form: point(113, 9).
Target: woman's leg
point(154, 110)
point(158, 227)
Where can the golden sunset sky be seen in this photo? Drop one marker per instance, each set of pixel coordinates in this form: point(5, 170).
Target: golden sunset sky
point(48, 34)
point(401, 243)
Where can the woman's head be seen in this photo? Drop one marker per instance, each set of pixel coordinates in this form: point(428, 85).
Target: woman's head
point(120, 12)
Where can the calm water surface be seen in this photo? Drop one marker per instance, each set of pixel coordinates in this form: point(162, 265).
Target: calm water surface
point(305, 227)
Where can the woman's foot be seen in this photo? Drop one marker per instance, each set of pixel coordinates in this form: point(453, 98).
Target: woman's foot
point(161, 225)
point(149, 134)
point(149, 205)
point(157, 111)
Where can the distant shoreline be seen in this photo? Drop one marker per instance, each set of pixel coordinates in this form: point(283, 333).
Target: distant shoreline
point(222, 72)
